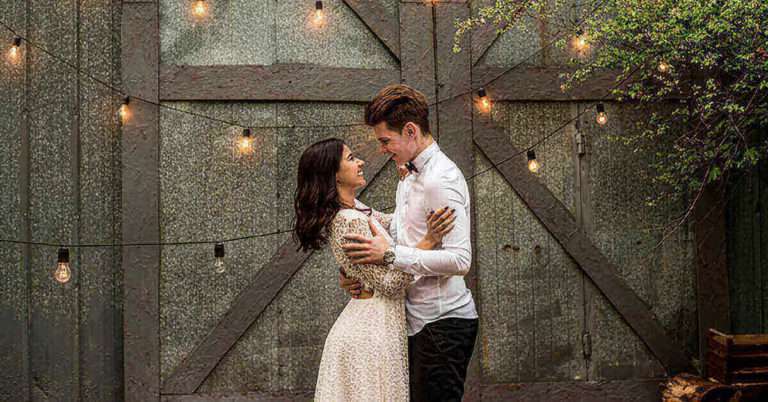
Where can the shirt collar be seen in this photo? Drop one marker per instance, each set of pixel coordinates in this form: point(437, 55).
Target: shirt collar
point(421, 159)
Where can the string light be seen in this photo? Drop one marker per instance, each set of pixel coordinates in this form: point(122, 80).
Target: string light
point(15, 50)
point(533, 164)
point(602, 117)
point(200, 9)
point(125, 111)
point(319, 17)
point(484, 103)
point(218, 252)
point(245, 143)
point(664, 67)
point(580, 42)
point(63, 273)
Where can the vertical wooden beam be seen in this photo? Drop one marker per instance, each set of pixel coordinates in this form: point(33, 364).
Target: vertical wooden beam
point(417, 53)
point(140, 202)
point(493, 142)
point(712, 293)
point(454, 81)
point(15, 264)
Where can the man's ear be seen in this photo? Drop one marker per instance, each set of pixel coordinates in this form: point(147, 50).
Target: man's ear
point(410, 129)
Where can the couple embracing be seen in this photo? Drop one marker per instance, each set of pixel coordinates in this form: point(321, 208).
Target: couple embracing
point(410, 328)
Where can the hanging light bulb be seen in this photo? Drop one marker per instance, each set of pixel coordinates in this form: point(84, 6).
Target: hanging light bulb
point(63, 273)
point(533, 164)
point(245, 142)
point(125, 111)
point(319, 16)
point(218, 252)
point(15, 50)
point(484, 101)
point(602, 117)
point(664, 67)
point(580, 42)
point(200, 9)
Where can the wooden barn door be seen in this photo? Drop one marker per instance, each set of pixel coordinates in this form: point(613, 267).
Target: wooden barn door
point(534, 298)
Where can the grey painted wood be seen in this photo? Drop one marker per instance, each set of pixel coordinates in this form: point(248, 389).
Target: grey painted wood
point(484, 36)
point(285, 82)
point(53, 210)
point(306, 396)
point(140, 203)
point(417, 57)
point(627, 232)
point(374, 14)
point(530, 289)
point(246, 308)
point(712, 293)
point(626, 391)
point(15, 262)
point(100, 321)
point(536, 83)
point(563, 227)
point(453, 74)
point(747, 251)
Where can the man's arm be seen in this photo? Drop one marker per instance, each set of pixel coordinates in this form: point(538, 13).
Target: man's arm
point(456, 255)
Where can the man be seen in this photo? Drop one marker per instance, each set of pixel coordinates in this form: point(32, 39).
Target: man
point(442, 319)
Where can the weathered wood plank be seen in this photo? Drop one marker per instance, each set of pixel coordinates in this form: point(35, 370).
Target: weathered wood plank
point(484, 36)
point(626, 391)
point(246, 308)
point(417, 61)
point(558, 220)
point(376, 18)
point(100, 315)
point(15, 264)
point(140, 203)
point(533, 83)
point(53, 206)
point(455, 134)
point(713, 299)
point(281, 82)
point(298, 396)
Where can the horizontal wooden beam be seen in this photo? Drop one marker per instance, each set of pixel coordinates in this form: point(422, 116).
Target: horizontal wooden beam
point(277, 82)
point(493, 141)
point(246, 308)
point(582, 391)
point(298, 396)
point(533, 83)
point(385, 26)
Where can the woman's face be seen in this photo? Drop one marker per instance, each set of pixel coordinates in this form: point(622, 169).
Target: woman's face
point(350, 172)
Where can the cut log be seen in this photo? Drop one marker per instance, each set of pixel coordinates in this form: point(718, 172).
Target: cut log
point(690, 388)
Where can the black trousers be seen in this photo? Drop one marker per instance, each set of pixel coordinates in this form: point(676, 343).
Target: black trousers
point(438, 357)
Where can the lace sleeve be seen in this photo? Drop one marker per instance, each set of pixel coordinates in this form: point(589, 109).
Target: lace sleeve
point(383, 279)
point(384, 219)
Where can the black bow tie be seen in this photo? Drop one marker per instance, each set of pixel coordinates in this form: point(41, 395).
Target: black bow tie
point(411, 167)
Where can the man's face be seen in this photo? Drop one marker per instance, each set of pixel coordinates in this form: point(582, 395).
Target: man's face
point(402, 145)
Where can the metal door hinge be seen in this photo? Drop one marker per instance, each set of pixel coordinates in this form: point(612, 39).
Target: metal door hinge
point(580, 143)
point(586, 345)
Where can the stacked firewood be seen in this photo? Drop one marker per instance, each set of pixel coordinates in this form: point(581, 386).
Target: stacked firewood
point(737, 368)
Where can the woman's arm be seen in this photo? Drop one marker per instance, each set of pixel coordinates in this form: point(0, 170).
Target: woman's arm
point(381, 278)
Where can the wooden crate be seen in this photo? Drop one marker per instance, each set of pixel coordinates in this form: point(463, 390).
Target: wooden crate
point(737, 359)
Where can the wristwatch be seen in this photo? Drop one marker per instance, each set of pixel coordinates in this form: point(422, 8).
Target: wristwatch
point(389, 256)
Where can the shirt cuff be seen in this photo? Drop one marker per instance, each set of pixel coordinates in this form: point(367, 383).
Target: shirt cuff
point(405, 258)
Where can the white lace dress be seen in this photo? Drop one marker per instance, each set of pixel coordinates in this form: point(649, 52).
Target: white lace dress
point(365, 357)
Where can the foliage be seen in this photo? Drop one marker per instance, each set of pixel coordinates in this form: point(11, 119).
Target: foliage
point(699, 67)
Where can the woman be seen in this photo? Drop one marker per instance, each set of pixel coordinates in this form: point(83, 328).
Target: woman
point(365, 357)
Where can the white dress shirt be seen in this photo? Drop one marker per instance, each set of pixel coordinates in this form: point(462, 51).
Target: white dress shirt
point(438, 290)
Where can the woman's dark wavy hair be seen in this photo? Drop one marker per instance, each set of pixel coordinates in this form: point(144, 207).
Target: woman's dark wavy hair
point(316, 200)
